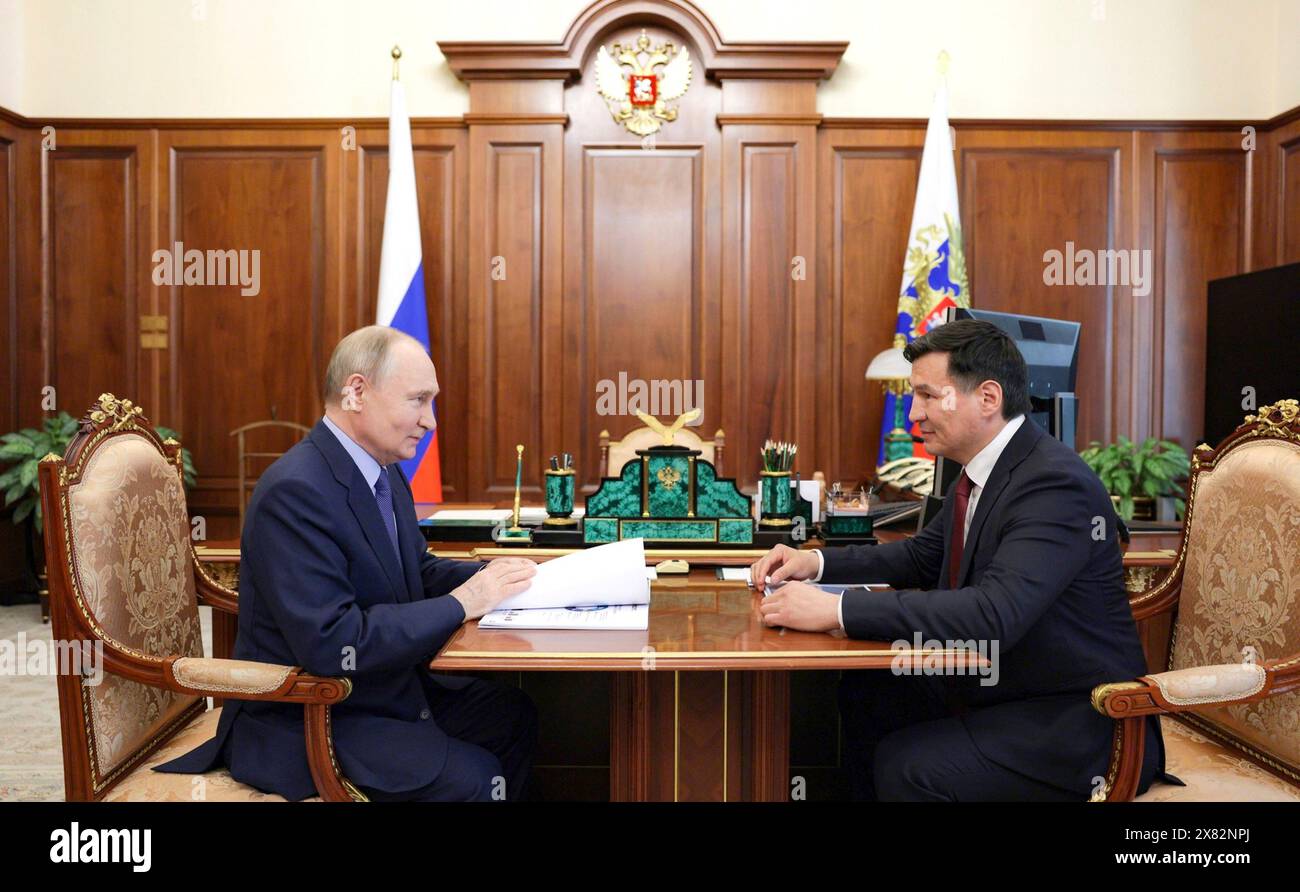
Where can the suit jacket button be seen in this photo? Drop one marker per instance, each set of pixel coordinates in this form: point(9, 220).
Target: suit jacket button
point(424, 714)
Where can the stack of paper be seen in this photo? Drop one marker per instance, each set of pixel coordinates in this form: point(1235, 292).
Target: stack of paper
point(627, 617)
point(564, 591)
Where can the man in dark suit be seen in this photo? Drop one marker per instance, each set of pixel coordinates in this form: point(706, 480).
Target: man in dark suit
point(1023, 560)
point(335, 578)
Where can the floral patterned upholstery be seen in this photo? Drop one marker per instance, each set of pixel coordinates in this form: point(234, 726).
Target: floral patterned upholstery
point(1213, 773)
point(130, 547)
point(145, 785)
point(1241, 587)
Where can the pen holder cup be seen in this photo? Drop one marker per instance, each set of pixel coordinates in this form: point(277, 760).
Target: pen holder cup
point(559, 498)
point(777, 503)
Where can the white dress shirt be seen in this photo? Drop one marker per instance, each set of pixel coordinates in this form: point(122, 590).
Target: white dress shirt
point(977, 469)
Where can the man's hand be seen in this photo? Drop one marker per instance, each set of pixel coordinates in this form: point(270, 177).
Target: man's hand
point(500, 579)
point(782, 563)
point(806, 608)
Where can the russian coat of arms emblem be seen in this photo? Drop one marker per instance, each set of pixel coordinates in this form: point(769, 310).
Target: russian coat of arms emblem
point(638, 81)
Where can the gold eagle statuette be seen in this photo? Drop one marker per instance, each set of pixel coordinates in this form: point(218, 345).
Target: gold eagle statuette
point(667, 432)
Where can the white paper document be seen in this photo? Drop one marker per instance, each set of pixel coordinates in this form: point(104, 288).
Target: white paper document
point(621, 617)
point(604, 575)
point(735, 574)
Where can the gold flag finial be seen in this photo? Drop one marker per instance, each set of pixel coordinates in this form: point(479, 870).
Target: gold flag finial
point(397, 57)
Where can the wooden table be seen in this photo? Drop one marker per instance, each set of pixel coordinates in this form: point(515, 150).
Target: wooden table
point(700, 702)
point(710, 716)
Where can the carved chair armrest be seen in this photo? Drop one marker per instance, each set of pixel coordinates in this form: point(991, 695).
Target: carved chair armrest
point(247, 680)
point(1179, 690)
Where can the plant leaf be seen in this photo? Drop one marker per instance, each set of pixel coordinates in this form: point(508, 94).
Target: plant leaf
point(24, 508)
point(15, 451)
point(1123, 483)
point(1126, 507)
point(14, 493)
point(42, 445)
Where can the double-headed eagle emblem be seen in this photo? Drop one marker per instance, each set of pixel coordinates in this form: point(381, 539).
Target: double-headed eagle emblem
point(638, 99)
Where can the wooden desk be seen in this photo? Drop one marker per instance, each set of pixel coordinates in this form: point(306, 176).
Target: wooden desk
point(709, 720)
point(700, 702)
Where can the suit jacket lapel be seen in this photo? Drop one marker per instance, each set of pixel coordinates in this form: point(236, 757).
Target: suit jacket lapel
point(361, 499)
point(1014, 453)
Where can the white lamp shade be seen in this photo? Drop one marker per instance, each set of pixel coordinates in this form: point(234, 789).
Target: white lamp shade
point(889, 365)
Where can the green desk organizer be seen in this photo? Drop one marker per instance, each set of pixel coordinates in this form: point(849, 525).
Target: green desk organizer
point(669, 494)
point(777, 499)
point(559, 498)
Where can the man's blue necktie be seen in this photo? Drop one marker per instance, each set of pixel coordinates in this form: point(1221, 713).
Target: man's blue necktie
point(384, 496)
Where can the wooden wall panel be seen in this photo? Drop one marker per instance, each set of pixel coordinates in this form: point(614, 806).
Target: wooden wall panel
point(769, 315)
point(867, 184)
point(514, 316)
point(1275, 193)
point(14, 573)
point(92, 308)
point(1020, 202)
point(643, 246)
point(241, 358)
point(440, 172)
point(1195, 205)
point(9, 136)
point(95, 201)
point(1288, 221)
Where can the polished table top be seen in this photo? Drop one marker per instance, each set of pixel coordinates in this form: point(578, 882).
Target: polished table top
point(696, 622)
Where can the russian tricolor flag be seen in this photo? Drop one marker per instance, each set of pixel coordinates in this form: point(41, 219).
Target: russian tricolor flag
point(401, 278)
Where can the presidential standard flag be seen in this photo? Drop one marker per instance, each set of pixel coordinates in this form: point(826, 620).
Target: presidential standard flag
point(934, 268)
point(401, 278)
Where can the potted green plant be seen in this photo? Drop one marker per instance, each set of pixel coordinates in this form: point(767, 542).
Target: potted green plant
point(22, 451)
point(1136, 475)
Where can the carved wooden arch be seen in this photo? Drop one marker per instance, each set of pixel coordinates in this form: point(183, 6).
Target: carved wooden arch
point(787, 60)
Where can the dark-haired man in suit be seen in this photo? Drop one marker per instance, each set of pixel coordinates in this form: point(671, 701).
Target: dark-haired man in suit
point(335, 578)
point(1023, 558)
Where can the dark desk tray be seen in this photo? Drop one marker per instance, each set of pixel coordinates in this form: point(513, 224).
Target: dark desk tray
point(833, 539)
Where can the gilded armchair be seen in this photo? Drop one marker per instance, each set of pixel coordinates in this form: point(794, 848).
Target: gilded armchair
point(125, 589)
point(1233, 679)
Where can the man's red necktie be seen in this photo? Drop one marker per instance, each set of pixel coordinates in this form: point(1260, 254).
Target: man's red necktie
point(957, 541)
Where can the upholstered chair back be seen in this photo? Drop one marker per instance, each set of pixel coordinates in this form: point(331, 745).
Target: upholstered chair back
point(1240, 597)
point(124, 533)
